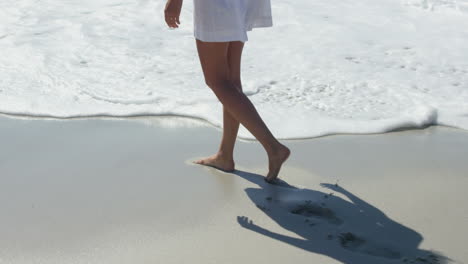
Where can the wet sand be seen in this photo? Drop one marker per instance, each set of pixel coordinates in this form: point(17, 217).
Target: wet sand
point(125, 191)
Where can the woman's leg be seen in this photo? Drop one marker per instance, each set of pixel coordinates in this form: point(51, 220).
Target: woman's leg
point(214, 60)
point(224, 158)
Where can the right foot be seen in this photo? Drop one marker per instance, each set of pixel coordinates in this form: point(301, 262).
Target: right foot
point(218, 162)
point(275, 162)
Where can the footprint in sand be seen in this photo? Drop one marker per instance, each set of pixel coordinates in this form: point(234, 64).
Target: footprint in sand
point(355, 243)
point(352, 59)
point(309, 209)
point(358, 244)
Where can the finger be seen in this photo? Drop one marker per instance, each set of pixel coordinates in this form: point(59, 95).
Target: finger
point(178, 21)
point(173, 22)
point(168, 21)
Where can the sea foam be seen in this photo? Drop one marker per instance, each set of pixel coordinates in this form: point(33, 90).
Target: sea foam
point(325, 67)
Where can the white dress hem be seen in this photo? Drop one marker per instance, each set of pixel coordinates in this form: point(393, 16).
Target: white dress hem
point(229, 20)
point(228, 36)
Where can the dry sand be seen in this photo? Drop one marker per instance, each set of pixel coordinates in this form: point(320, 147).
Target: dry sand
point(124, 191)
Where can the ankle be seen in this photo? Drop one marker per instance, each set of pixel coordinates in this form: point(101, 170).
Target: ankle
point(274, 148)
point(225, 155)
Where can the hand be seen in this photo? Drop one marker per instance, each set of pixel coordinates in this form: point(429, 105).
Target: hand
point(334, 187)
point(245, 222)
point(172, 13)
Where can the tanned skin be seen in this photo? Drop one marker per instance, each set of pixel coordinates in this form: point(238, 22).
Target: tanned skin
point(221, 65)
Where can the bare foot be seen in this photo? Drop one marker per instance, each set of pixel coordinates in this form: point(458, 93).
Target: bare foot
point(275, 162)
point(218, 162)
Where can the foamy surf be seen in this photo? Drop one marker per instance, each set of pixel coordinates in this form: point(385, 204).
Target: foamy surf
point(324, 68)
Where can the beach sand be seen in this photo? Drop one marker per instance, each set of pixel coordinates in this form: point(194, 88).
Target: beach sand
point(125, 191)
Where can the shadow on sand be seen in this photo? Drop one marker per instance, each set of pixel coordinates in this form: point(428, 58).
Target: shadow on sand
point(353, 231)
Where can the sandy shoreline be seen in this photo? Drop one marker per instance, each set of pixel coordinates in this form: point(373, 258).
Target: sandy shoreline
point(120, 191)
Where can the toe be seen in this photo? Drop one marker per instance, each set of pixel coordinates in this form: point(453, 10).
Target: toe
point(270, 181)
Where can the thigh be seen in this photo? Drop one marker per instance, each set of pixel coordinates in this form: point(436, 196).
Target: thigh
point(214, 61)
point(234, 61)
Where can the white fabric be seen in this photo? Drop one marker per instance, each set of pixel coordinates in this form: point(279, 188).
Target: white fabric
point(229, 20)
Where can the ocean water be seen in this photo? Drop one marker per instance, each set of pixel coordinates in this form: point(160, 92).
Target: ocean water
point(335, 66)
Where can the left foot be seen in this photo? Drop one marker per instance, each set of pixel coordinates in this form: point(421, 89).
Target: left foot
point(218, 162)
point(275, 162)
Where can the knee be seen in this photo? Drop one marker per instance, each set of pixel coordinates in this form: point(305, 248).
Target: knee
point(225, 83)
point(238, 84)
point(220, 84)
